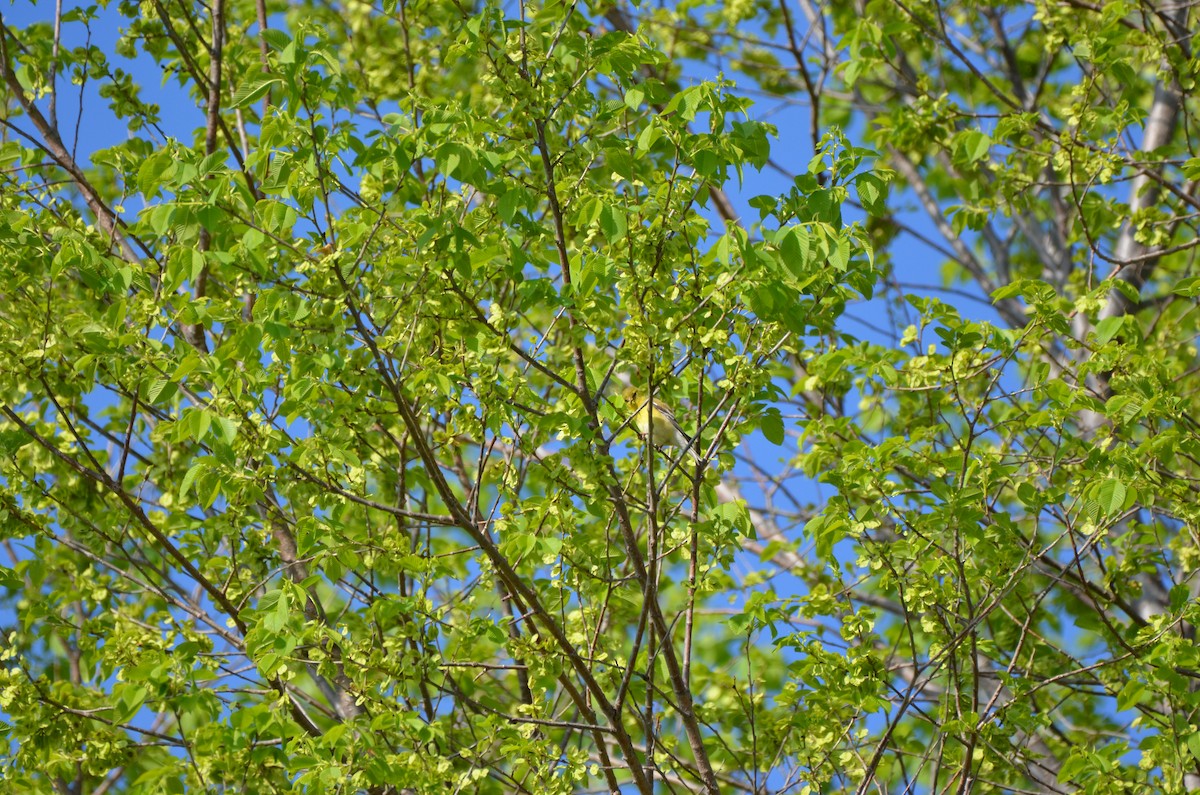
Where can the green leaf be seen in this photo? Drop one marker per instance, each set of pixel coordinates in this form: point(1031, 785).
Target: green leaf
point(613, 224)
point(974, 146)
point(226, 428)
point(277, 619)
point(871, 193)
point(796, 247)
point(200, 422)
point(156, 388)
point(154, 171)
point(1076, 763)
point(276, 39)
point(826, 531)
point(1193, 745)
point(189, 477)
point(648, 137)
point(771, 424)
point(1130, 695)
point(12, 441)
point(1188, 287)
point(736, 515)
point(1112, 495)
point(839, 258)
point(130, 698)
point(1108, 328)
point(253, 88)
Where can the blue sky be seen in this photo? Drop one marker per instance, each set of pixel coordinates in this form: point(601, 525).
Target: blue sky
point(181, 117)
point(916, 263)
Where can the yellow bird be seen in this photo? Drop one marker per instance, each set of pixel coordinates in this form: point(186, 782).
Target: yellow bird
point(659, 424)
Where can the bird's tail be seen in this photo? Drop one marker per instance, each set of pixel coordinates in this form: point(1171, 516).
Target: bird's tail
point(688, 443)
